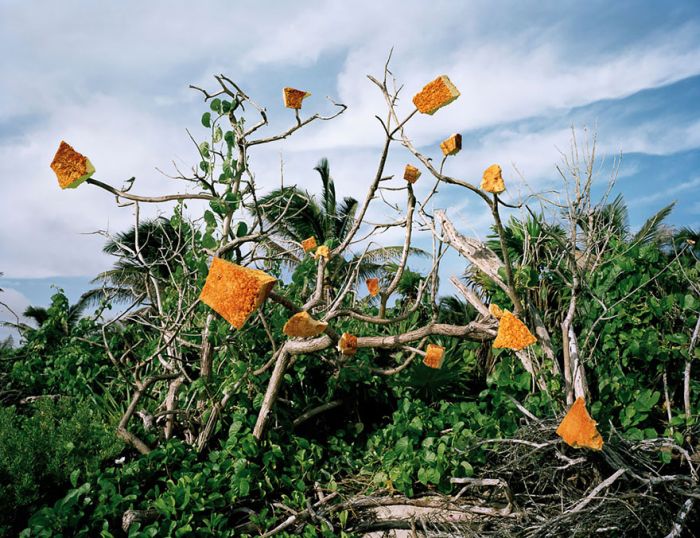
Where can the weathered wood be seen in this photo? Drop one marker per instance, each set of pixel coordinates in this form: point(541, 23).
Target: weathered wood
point(138, 516)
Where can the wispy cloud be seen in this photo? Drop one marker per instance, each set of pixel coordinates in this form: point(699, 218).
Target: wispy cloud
point(117, 89)
point(664, 194)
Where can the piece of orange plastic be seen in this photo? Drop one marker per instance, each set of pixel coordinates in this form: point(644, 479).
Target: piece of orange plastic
point(495, 311)
point(373, 286)
point(293, 97)
point(304, 326)
point(451, 145)
point(235, 291)
point(324, 251)
point(308, 244)
point(435, 95)
point(492, 180)
point(347, 344)
point(71, 168)
point(434, 356)
point(512, 333)
point(411, 173)
point(578, 429)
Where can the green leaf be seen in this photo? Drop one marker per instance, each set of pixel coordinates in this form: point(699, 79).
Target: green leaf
point(689, 302)
point(215, 105)
point(665, 456)
point(210, 219)
point(403, 444)
point(218, 206)
point(416, 424)
point(468, 469)
point(74, 478)
point(217, 135)
point(208, 241)
point(206, 119)
point(232, 200)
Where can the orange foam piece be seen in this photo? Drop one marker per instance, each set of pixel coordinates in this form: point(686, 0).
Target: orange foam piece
point(234, 291)
point(304, 326)
point(434, 356)
point(512, 333)
point(578, 429)
point(435, 95)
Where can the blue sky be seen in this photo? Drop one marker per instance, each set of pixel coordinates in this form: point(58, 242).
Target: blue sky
point(112, 79)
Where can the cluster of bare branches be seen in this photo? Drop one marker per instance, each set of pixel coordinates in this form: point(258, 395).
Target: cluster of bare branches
point(183, 339)
point(531, 486)
point(184, 353)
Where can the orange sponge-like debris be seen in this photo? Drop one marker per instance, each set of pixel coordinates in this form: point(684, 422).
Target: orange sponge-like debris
point(495, 311)
point(234, 291)
point(347, 344)
point(324, 251)
point(512, 333)
point(493, 180)
point(71, 167)
point(293, 98)
point(411, 173)
point(434, 355)
point(304, 326)
point(308, 244)
point(452, 145)
point(578, 429)
point(373, 286)
point(435, 95)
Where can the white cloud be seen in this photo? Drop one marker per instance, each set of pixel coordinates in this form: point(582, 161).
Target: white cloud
point(117, 90)
point(42, 235)
point(665, 194)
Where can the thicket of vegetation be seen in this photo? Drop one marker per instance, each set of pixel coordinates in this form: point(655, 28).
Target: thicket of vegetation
point(163, 420)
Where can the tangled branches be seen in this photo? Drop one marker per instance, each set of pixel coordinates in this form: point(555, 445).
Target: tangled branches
point(533, 486)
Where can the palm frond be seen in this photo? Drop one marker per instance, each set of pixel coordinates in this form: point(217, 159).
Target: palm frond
point(116, 294)
point(38, 313)
point(652, 229)
point(346, 216)
point(297, 211)
point(613, 216)
point(390, 254)
point(328, 197)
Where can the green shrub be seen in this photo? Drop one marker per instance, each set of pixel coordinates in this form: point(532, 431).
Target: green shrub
point(41, 452)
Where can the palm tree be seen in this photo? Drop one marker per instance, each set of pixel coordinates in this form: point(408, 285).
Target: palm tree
point(128, 280)
point(41, 315)
point(74, 312)
point(329, 222)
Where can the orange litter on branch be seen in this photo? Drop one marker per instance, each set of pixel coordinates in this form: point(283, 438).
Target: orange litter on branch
point(578, 429)
point(234, 291)
point(411, 173)
point(293, 98)
point(71, 168)
point(512, 333)
point(373, 286)
point(323, 251)
point(304, 326)
point(347, 344)
point(308, 244)
point(495, 311)
point(435, 95)
point(434, 356)
point(492, 180)
point(452, 145)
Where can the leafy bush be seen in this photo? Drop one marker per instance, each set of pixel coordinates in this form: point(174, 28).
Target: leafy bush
point(40, 452)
